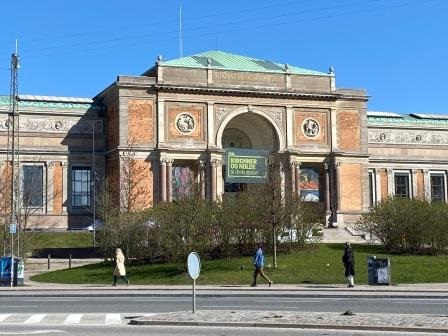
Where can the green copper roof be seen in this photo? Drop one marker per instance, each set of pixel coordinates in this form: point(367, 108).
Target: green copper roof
point(52, 102)
point(226, 61)
point(408, 119)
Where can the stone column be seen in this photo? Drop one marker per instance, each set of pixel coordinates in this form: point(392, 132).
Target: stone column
point(337, 195)
point(297, 177)
point(338, 183)
point(390, 182)
point(327, 190)
point(213, 165)
point(162, 180)
point(427, 183)
point(377, 185)
point(292, 166)
point(50, 186)
point(414, 183)
point(202, 177)
point(169, 185)
point(64, 186)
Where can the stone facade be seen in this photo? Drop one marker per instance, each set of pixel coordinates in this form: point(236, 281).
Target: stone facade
point(177, 121)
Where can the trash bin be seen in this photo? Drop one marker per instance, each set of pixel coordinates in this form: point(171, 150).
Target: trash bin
point(378, 271)
point(17, 271)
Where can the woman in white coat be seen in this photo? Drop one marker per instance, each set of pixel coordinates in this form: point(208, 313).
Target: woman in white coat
point(120, 270)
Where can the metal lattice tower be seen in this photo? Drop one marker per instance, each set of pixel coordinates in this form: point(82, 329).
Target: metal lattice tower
point(13, 161)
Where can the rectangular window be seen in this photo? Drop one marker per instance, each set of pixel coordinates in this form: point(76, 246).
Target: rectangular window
point(81, 187)
point(437, 187)
point(402, 185)
point(33, 186)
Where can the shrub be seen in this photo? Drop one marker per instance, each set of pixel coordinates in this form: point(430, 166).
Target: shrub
point(408, 225)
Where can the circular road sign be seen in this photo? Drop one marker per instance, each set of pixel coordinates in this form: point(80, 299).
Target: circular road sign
point(194, 265)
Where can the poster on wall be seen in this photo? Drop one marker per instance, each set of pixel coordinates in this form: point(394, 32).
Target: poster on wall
point(182, 181)
point(309, 184)
point(246, 165)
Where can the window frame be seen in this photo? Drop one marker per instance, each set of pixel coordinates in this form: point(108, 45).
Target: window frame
point(441, 174)
point(43, 191)
point(87, 192)
point(403, 173)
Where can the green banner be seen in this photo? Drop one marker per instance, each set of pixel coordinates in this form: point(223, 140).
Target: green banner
point(246, 165)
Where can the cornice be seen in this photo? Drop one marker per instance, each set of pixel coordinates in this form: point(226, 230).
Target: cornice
point(247, 92)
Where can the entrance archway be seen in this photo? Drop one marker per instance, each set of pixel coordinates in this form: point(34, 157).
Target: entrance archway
point(248, 131)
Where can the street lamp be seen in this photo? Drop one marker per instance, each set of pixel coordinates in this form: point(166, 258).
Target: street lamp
point(93, 183)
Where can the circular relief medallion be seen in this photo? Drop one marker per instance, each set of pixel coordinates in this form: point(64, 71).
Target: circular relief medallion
point(310, 127)
point(185, 123)
point(57, 125)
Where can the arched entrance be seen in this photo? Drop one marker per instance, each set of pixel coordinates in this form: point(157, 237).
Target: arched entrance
point(248, 130)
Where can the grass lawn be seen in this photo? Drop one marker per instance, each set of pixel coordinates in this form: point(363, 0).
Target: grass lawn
point(298, 268)
point(40, 240)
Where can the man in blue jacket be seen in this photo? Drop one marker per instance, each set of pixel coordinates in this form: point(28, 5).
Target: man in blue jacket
point(259, 264)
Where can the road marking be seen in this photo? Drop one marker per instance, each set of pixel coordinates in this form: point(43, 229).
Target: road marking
point(73, 319)
point(19, 306)
point(35, 332)
point(51, 300)
point(161, 300)
point(424, 303)
point(37, 318)
point(4, 317)
point(113, 319)
point(292, 301)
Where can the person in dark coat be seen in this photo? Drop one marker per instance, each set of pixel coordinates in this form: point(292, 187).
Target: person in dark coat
point(349, 263)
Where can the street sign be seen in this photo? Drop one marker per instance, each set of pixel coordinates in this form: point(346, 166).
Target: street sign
point(12, 228)
point(194, 268)
point(194, 265)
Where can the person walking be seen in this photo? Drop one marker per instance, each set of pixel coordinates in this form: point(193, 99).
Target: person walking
point(259, 264)
point(349, 263)
point(120, 270)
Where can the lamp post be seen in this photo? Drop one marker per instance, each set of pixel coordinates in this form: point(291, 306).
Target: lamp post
point(93, 183)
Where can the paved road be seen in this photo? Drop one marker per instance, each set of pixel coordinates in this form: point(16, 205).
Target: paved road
point(297, 306)
point(160, 304)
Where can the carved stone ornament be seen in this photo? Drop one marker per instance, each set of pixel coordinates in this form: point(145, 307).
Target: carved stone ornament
point(310, 128)
point(402, 136)
point(185, 123)
point(35, 125)
point(277, 115)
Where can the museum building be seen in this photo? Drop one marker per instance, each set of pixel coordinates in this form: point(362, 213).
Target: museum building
point(183, 119)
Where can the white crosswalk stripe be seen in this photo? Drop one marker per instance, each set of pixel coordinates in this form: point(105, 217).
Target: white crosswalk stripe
point(72, 319)
point(36, 318)
point(113, 319)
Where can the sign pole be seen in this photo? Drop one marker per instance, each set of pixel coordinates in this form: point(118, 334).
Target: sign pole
point(194, 296)
point(194, 268)
point(12, 231)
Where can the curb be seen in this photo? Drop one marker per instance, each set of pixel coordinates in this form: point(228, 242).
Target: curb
point(287, 326)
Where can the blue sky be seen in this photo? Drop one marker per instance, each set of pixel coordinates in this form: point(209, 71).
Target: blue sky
point(395, 49)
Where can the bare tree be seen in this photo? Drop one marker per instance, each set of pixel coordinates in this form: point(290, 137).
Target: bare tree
point(121, 201)
point(282, 210)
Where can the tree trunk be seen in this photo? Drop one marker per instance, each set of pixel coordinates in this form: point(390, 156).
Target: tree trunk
point(274, 245)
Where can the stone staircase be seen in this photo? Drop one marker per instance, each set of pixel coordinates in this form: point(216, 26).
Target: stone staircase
point(342, 235)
